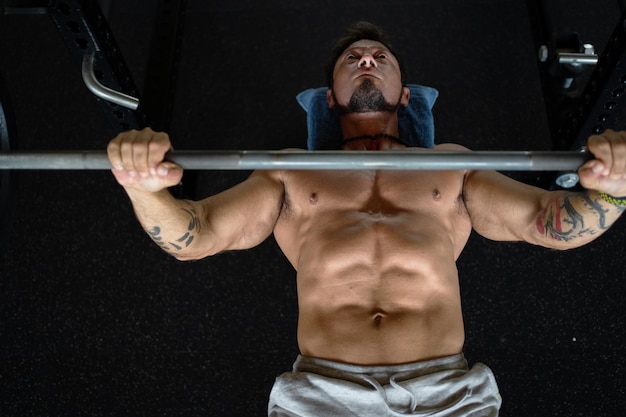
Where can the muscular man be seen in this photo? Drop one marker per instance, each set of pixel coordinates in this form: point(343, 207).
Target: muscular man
point(380, 328)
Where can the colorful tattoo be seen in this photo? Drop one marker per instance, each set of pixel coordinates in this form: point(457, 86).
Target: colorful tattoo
point(561, 220)
point(186, 238)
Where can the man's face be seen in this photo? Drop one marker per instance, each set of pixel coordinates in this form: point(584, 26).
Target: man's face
point(367, 78)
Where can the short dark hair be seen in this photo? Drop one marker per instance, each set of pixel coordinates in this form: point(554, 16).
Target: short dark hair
point(356, 32)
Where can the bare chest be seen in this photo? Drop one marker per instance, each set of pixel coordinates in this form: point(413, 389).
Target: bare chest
point(382, 192)
point(344, 210)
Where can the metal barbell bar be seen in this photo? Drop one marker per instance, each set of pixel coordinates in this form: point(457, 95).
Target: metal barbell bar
point(312, 160)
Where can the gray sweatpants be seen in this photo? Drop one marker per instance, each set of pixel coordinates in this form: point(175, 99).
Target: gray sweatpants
point(439, 387)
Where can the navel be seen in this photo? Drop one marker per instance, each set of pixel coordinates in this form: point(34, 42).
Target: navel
point(436, 195)
point(378, 317)
point(313, 199)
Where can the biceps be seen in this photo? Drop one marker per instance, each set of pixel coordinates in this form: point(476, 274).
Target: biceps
point(244, 216)
point(501, 208)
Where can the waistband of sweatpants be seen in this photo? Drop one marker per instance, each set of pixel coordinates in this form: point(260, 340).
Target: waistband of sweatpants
point(380, 372)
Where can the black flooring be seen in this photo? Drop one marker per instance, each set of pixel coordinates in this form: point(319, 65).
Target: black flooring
point(95, 320)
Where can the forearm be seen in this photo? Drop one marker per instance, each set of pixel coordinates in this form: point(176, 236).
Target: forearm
point(174, 225)
point(569, 220)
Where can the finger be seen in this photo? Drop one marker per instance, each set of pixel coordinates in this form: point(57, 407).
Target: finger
point(140, 151)
point(600, 147)
point(590, 175)
point(126, 153)
point(164, 168)
point(618, 150)
point(113, 152)
point(157, 148)
point(170, 173)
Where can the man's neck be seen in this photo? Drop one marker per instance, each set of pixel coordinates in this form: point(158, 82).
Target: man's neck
point(357, 124)
point(371, 131)
point(381, 141)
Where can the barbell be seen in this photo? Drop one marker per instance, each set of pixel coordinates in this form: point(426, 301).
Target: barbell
point(312, 160)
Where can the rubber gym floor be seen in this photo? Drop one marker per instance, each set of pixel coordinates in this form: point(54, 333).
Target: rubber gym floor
point(95, 320)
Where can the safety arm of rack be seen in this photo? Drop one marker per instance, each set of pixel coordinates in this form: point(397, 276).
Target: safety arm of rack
point(103, 92)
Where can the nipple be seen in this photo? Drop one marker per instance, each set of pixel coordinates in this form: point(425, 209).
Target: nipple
point(436, 195)
point(313, 199)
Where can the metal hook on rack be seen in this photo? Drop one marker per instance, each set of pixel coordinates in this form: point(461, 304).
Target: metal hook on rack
point(101, 91)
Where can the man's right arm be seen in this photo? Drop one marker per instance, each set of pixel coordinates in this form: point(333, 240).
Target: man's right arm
point(238, 218)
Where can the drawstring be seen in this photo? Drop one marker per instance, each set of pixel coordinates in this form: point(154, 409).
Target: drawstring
point(378, 387)
point(394, 384)
point(373, 382)
point(411, 411)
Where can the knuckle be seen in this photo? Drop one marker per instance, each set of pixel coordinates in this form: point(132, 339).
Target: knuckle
point(600, 144)
point(155, 146)
point(112, 147)
point(139, 146)
point(126, 146)
point(162, 138)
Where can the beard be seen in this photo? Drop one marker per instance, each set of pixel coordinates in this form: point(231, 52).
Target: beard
point(367, 98)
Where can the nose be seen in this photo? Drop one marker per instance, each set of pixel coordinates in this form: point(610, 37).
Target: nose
point(367, 61)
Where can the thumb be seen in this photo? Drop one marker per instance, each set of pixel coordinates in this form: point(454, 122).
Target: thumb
point(590, 174)
point(170, 173)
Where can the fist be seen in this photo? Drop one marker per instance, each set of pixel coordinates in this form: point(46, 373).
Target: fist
point(137, 158)
point(607, 171)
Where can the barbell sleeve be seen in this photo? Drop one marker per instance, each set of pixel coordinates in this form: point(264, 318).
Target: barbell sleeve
point(312, 160)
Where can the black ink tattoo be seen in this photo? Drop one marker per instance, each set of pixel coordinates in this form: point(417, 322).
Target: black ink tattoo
point(193, 228)
point(595, 206)
point(155, 234)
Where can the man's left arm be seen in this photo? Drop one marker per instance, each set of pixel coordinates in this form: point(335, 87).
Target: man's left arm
point(504, 209)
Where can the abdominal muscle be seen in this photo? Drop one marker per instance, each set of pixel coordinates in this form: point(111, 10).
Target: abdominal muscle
point(374, 290)
point(375, 254)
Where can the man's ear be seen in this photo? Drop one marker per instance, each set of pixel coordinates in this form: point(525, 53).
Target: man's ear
point(406, 95)
point(330, 99)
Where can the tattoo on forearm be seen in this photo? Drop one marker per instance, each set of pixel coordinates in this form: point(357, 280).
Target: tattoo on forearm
point(551, 223)
point(599, 210)
point(184, 240)
point(562, 220)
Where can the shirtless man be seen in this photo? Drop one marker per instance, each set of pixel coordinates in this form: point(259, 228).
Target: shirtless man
point(380, 328)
